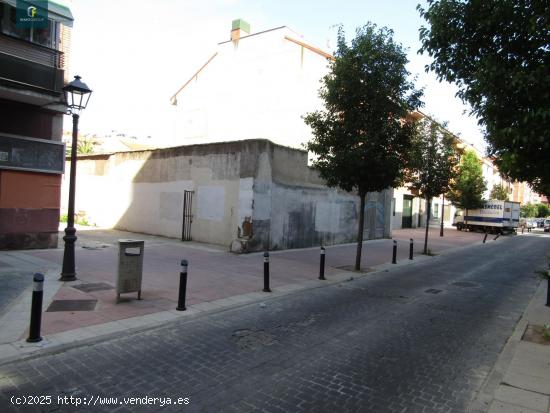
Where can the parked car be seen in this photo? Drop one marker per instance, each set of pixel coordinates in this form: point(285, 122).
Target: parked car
point(547, 225)
point(540, 223)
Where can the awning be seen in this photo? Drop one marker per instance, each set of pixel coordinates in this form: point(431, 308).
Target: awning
point(58, 10)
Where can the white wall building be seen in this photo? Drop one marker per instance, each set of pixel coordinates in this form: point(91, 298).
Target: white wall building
point(255, 86)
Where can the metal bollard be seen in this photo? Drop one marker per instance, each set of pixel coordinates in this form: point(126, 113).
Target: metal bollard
point(485, 238)
point(548, 289)
point(411, 250)
point(322, 265)
point(36, 308)
point(394, 254)
point(266, 273)
point(183, 286)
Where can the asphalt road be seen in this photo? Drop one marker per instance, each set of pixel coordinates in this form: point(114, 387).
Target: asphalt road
point(419, 338)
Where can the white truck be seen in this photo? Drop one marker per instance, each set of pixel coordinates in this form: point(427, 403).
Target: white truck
point(494, 217)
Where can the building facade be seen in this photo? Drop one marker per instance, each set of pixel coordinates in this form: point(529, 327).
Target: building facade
point(248, 195)
point(255, 86)
point(409, 209)
point(33, 62)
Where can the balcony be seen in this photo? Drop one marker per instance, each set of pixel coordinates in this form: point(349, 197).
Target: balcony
point(30, 66)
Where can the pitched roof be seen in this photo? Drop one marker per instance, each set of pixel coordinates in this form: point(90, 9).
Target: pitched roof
point(314, 49)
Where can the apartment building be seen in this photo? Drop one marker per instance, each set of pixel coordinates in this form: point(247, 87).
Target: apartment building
point(34, 49)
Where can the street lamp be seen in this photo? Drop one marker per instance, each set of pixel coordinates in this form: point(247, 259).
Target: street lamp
point(77, 95)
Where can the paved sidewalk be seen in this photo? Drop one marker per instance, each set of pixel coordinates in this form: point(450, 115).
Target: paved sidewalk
point(520, 380)
point(217, 279)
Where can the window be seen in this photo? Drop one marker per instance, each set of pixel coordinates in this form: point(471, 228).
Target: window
point(44, 36)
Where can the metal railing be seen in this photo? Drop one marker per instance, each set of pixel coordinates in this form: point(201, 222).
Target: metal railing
point(30, 65)
point(34, 52)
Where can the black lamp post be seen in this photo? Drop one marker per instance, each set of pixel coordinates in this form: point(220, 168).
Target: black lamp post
point(77, 95)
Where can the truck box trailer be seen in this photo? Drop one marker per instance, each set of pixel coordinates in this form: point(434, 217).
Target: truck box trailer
point(494, 217)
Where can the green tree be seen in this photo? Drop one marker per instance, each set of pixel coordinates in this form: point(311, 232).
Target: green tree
point(85, 146)
point(497, 53)
point(528, 211)
point(360, 139)
point(499, 192)
point(432, 164)
point(466, 191)
point(542, 210)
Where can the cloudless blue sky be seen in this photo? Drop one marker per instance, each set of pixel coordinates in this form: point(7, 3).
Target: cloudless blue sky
point(135, 54)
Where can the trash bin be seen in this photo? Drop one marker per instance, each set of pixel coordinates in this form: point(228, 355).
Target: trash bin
point(130, 267)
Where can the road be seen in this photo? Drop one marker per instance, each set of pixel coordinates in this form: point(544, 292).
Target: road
point(419, 338)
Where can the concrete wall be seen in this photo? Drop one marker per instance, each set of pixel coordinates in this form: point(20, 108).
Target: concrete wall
point(261, 194)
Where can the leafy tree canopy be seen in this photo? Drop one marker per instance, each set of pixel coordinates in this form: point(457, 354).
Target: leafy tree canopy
point(499, 192)
point(542, 210)
point(467, 189)
point(360, 139)
point(432, 159)
point(528, 211)
point(497, 52)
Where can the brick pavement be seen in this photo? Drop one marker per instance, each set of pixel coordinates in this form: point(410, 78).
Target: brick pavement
point(380, 343)
point(213, 272)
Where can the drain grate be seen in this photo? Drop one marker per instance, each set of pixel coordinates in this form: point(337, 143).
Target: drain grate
point(433, 291)
point(465, 284)
point(72, 305)
point(90, 287)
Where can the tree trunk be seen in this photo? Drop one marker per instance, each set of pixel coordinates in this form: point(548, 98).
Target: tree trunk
point(428, 210)
point(360, 232)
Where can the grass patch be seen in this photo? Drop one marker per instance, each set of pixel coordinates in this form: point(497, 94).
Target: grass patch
point(78, 220)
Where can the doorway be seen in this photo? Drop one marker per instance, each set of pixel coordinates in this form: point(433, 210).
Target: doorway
point(187, 215)
point(406, 220)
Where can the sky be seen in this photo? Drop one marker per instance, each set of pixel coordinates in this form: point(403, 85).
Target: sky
point(135, 54)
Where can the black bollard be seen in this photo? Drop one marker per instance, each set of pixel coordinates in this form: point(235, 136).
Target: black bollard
point(394, 253)
point(411, 250)
point(183, 286)
point(36, 308)
point(495, 238)
point(266, 273)
point(322, 265)
point(485, 238)
point(548, 288)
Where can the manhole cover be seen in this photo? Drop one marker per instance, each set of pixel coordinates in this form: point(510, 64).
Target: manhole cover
point(465, 284)
point(433, 291)
point(72, 305)
point(252, 339)
point(95, 247)
point(90, 287)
